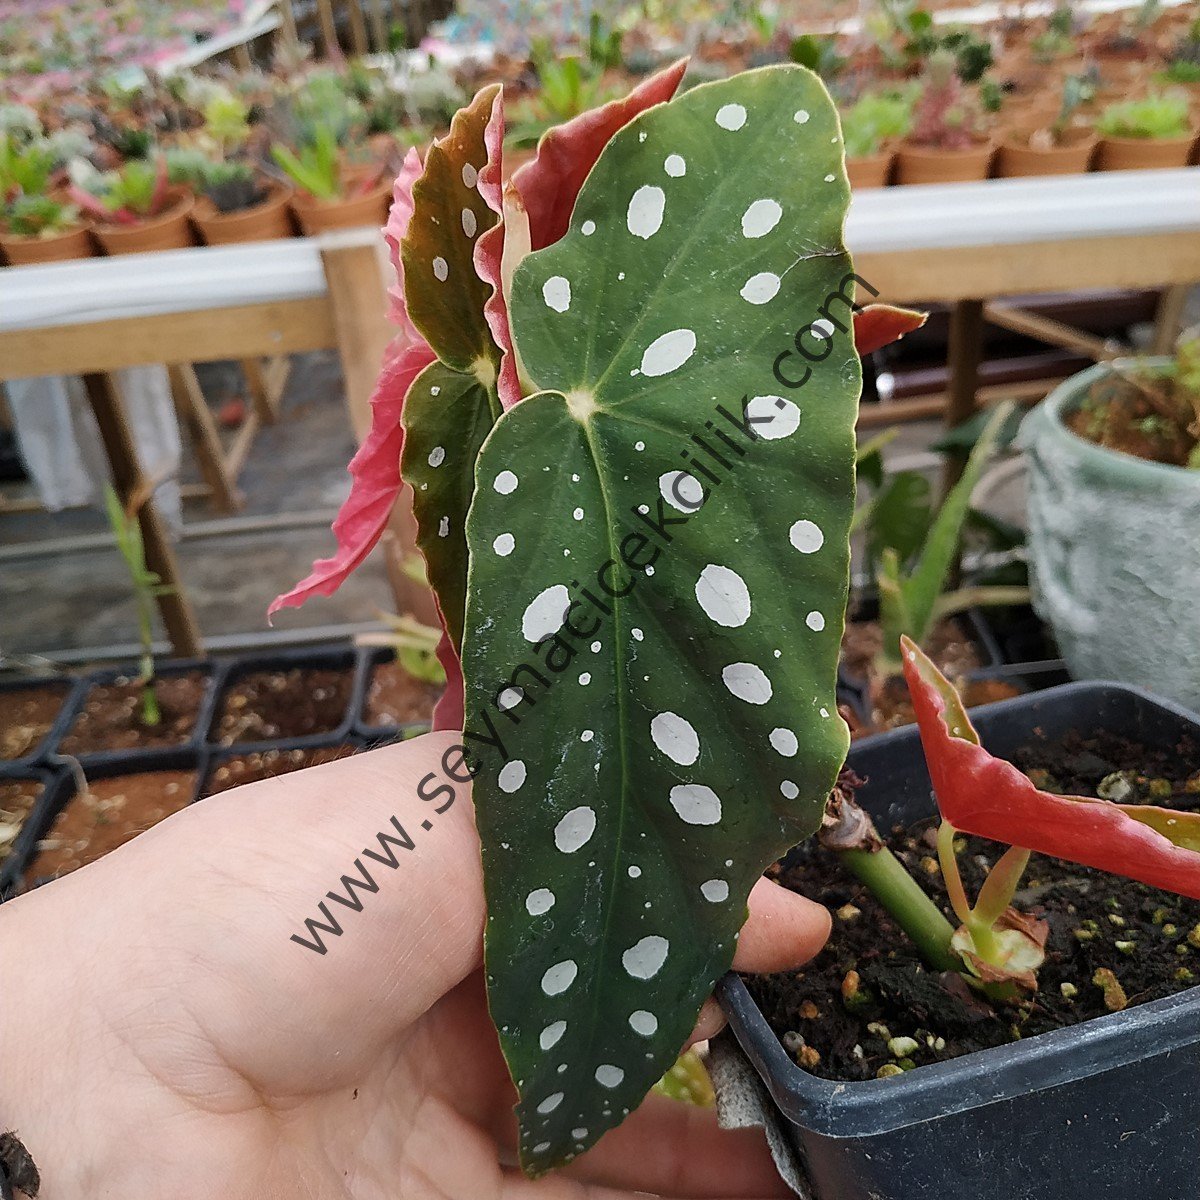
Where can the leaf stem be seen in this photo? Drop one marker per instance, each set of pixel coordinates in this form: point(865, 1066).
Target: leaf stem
point(891, 884)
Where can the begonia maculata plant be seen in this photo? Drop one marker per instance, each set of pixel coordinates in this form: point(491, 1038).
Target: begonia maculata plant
point(623, 390)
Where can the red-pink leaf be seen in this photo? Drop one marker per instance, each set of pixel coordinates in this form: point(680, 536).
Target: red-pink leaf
point(448, 712)
point(878, 325)
point(990, 798)
point(489, 249)
point(376, 473)
point(549, 183)
point(399, 216)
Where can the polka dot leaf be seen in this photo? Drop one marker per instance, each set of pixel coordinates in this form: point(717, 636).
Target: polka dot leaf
point(445, 296)
point(451, 406)
point(701, 591)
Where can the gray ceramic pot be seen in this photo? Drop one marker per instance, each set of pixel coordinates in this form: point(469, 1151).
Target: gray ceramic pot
point(1115, 551)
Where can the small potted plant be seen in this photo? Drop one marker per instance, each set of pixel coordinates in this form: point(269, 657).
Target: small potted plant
point(136, 208)
point(37, 222)
point(871, 127)
point(1113, 510)
point(1059, 147)
point(236, 202)
point(330, 193)
point(945, 144)
point(1135, 135)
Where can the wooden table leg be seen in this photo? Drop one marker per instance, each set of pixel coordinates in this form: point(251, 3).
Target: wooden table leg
point(965, 352)
point(193, 409)
point(177, 615)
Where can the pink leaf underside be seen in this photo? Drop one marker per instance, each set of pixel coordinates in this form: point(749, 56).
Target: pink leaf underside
point(549, 186)
point(375, 470)
point(399, 216)
point(549, 183)
point(489, 247)
point(879, 325)
point(990, 798)
point(448, 713)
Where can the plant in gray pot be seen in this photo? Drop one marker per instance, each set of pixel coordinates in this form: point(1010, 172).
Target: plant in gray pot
point(1114, 507)
point(1048, 1046)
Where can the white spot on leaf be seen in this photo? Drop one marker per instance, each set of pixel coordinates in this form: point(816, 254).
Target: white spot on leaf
point(545, 613)
point(556, 291)
point(469, 223)
point(723, 595)
point(609, 1076)
point(550, 1103)
point(815, 621)
point(537, 902)
point(785, 742)
point(644, 217)
point(505, 482)
point(696, 804)
point(588, 228)
point(559, 977)
point(777, 417)
point(440, 269)
point(675, 166)
point(643, 1022)
point(676, 738)
point(504, 544)
point(731, 116)
point(644, 959)
point(683, 492)
point(669, 352)
point(761, 288)
point(789, 789)
point(806, 536)
point(747, 682)
point(437, 456)
point(575, 829)
point(715, 891)
point(512, 775)
point(760, 218)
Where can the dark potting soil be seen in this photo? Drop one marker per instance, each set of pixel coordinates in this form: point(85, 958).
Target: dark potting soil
point(394, 697)
point(841, 1015)
point(266, 764)
point(111, 716)
point(267, 705)
point(16, 799)
point(111, 813)
point(26, 716)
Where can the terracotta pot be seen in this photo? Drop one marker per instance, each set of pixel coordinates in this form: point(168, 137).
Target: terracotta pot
point(923, 164)
point(1015, 157)
point(22, 251)
point(366, 208)
point(871, 170)
point(1143, 154)
point(168, 231)
point(263, 222)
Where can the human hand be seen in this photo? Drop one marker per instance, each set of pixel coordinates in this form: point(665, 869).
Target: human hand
point(162, 1035)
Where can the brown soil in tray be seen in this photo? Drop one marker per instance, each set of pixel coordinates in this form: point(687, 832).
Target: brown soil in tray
point(266, 764)
point(17, 797)
point(1149, 939)
point(394, 697)
point(949, 646)
point(26, 716)
point(111, 716)
point(267, 705)
point(892, 704)
point(114, 811)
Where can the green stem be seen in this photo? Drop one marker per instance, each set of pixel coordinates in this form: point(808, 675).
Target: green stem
point(1000, 886)
point(915, 913)
point(948, 861)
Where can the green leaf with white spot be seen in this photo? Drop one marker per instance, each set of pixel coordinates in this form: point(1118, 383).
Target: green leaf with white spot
point(453, 403)
point(650, 668)
point(447, 415)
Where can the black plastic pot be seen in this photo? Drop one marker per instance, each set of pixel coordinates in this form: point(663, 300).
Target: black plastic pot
point(345, 658)
point(381, 735)
point(70, 689)
point(56, 788)
point(130, 760)
point(63, 790)
point(1105, 1108)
